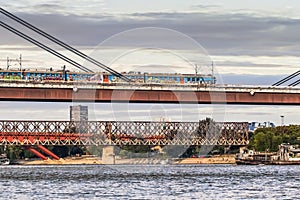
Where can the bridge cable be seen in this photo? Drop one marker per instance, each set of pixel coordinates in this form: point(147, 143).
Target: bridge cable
point(295, 83)
point(46, 48)
point(287, 78)
point(66, 46)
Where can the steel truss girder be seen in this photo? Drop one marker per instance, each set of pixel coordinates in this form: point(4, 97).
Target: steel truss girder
point(122, 133)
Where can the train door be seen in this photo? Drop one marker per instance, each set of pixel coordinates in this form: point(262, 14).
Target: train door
point(181, 80)
point(105, 78)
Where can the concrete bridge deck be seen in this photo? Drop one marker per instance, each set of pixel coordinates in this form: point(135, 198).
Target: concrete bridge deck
point(147, 93)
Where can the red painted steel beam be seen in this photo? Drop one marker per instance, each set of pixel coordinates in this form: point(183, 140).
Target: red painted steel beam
point(22, 137)
point(48, 152)
point(148, 96)
point(35, 152)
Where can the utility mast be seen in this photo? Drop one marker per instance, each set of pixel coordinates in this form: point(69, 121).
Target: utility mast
point(7, 63)
point(212, 68)
point(196, 69)
point(20, 62)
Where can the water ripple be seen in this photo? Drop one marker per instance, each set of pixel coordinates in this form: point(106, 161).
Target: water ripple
point(149, 182)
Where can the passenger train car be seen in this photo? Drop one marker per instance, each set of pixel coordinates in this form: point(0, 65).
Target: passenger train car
point(138, 77)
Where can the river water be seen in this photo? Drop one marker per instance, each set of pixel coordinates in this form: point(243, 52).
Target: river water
point(149, 182)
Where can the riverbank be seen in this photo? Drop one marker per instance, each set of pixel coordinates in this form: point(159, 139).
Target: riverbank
point(222, 159)
point(65, 161)
point(91, 160)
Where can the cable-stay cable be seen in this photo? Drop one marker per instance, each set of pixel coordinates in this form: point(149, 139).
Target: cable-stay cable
point(278, 83)
point(295, 83)
point(66, 46)
point(46, 48)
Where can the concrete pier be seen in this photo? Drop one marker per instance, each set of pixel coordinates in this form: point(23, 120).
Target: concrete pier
point(108, 155)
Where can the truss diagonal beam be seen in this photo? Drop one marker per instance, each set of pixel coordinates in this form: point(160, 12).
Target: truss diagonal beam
point(122, 133)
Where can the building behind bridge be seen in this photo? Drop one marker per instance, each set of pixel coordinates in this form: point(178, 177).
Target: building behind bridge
point(255, 125)
point(79, 113)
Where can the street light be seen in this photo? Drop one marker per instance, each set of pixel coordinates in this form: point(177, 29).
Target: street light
point(282, 120)
point(20, 62)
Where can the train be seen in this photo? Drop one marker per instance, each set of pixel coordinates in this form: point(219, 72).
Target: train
point(103, 77)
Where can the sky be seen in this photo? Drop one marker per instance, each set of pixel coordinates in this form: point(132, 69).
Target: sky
point(249, 42)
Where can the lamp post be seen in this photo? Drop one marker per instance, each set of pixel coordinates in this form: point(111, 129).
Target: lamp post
point(20, 62)
point(282, 120)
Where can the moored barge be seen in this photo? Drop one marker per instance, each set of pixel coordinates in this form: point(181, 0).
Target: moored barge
point(286, 155)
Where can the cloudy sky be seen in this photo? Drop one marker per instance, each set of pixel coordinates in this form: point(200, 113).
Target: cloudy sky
point(250, 42)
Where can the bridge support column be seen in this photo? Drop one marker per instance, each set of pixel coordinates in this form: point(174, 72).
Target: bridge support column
point(35, 152)
point(108, 155)
point(46, 151)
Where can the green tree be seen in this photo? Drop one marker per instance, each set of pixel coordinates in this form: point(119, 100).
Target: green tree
point(270, 138)
point(260, 141)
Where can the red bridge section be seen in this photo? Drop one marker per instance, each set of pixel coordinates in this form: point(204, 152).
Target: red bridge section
point(205, 132)
point(31, 134)
point(45, 138)
point(149, 93)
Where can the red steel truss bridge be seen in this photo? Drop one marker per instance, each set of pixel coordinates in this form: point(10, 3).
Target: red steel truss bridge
point(122, 133)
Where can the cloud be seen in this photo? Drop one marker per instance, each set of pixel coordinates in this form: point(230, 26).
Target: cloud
point(205, 7)
point(54, 6)
point(146, 112)
point(48, 7)
point(221, 34)
point(238, 40)
point(248, 79)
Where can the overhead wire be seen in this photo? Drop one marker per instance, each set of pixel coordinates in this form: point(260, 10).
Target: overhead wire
point(295, 83)
point(280, 82)
point(63, 44)
point(46, 48)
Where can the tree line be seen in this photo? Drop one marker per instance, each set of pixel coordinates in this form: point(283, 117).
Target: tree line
point(268, 139)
